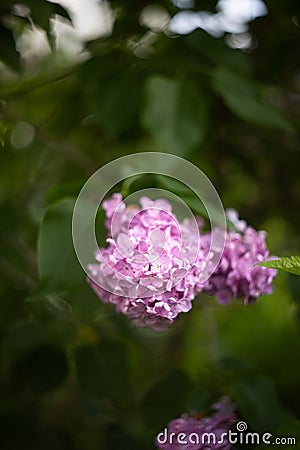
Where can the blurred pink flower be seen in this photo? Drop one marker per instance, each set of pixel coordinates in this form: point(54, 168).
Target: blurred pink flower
point(238, 275)
point(200, 432)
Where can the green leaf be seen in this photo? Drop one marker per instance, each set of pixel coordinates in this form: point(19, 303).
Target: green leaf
point(61, 11)
point(115, 102)
point(58, 266)
point(217, 52)
point(126, 185)
point(42, 11)
point(84, 302)
point(288, 264)
point(242, 96)
point(175, 115)
point(173, 185)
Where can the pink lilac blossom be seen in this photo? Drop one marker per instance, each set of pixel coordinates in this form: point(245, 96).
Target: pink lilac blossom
point(147, 269)
point(188, 431)
point(151, 268)
point(238, 275)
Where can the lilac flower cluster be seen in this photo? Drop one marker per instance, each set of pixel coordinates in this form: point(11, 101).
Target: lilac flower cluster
point(238, 275)
point(146, 269)
point(197, 432)
point(151, 268)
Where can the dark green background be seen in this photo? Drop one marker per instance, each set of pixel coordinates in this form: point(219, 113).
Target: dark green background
point(73, 373)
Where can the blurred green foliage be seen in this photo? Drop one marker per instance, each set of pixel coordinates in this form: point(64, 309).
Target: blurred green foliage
point(73, 373)
point(289, 264)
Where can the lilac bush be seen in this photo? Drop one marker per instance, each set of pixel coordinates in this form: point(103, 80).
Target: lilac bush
point(150, 269)
point(197, 431)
